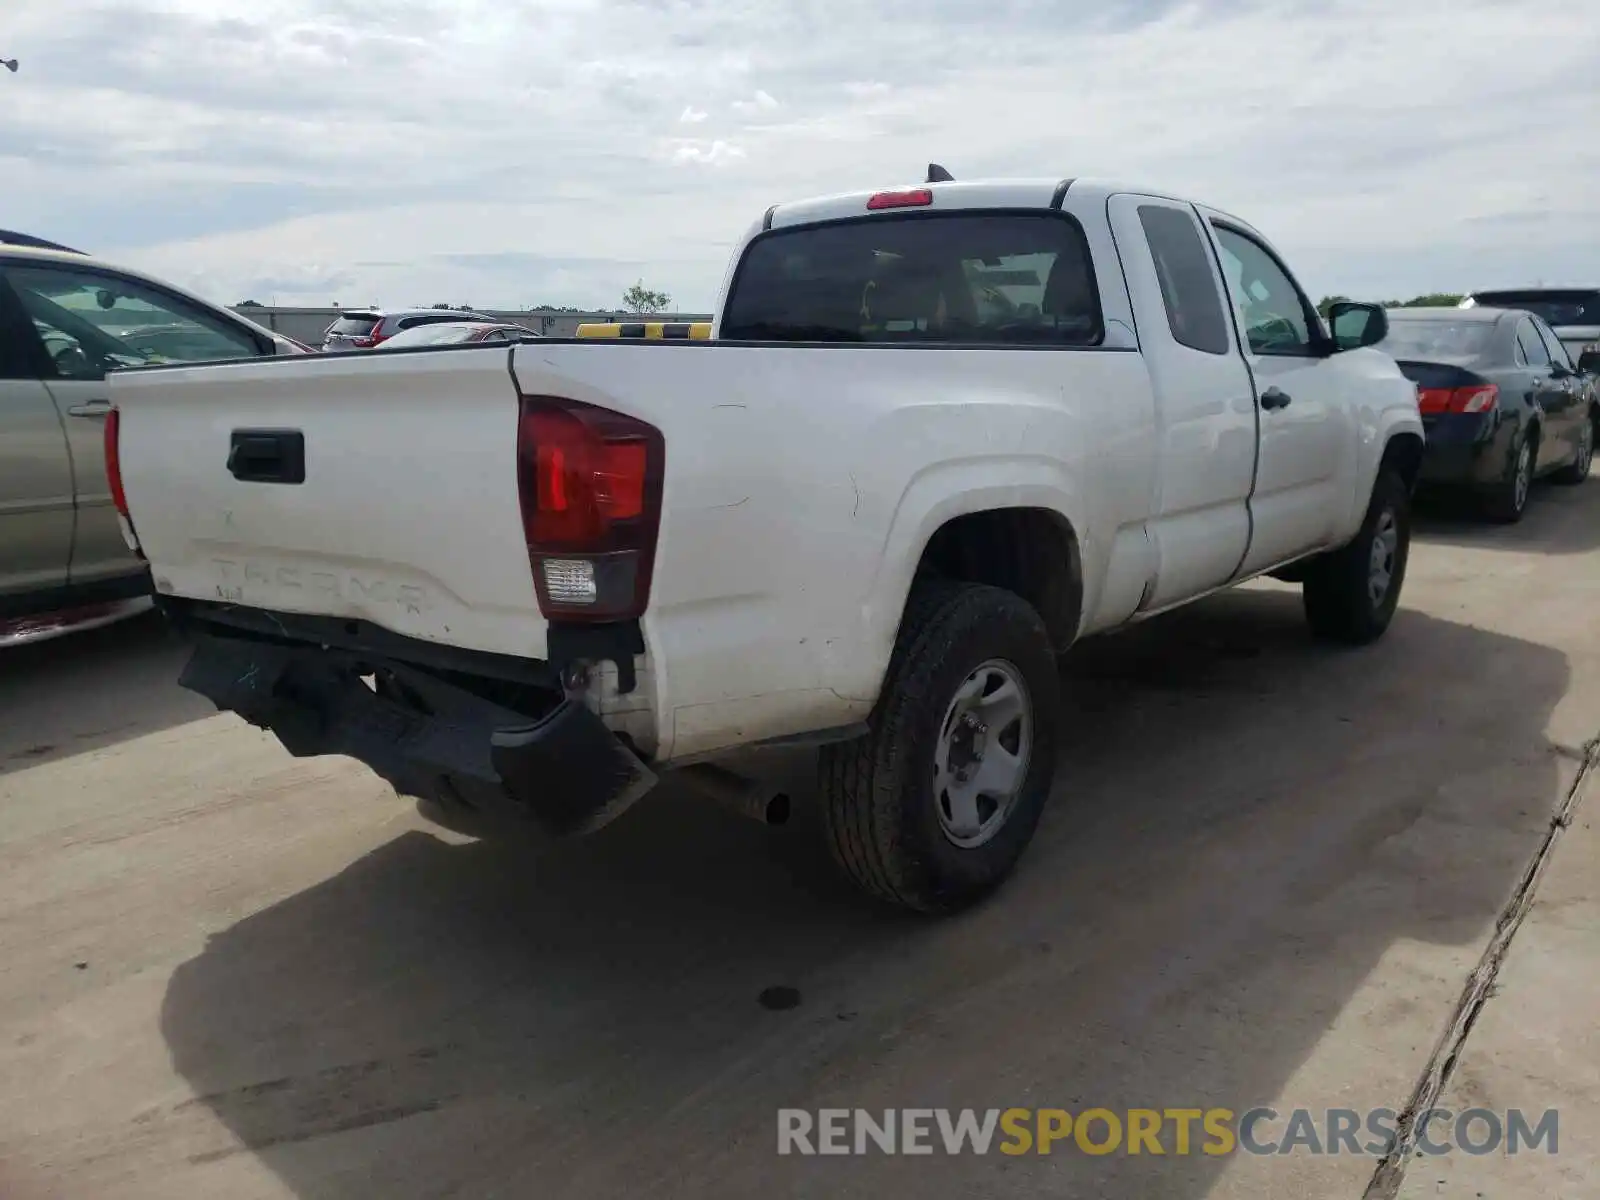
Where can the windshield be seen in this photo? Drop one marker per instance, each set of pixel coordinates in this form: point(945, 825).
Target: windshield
point(986, 278)
point(1552, 307)
point(1436, 338)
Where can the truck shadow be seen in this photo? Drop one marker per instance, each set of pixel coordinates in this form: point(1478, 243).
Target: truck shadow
point(92, 689)
point(1245, 824)
point(1558, 520)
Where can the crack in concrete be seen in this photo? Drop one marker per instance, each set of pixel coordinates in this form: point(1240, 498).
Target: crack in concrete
point(1480, 986)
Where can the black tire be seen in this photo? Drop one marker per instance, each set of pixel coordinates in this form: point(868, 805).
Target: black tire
point(881, 804)
point(1507, 500)
point(1339, 597)
point(1577, 471)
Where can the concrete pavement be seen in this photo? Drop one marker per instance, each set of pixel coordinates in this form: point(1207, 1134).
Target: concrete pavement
point(1267, 871)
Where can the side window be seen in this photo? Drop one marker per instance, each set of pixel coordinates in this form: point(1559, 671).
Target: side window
point(1532, 345)
point(1275, 316)
point(18, 343)
point(1188, 289)
point(1518, 354)
point(1558, 352)
point(92, 322)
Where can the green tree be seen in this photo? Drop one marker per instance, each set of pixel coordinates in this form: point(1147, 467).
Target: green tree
point(1434, 300)
point(1328, 302)
point(640, 299)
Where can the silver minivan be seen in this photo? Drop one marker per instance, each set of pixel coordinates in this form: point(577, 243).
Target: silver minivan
point(66, 320)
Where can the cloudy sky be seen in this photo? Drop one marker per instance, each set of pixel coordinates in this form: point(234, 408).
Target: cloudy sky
point(516, 152)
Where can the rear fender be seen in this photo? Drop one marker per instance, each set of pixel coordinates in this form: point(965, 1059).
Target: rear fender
point(1377, 427)
point(940, 494)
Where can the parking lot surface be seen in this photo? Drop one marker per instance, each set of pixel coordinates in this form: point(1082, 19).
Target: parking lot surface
point(1266, 872)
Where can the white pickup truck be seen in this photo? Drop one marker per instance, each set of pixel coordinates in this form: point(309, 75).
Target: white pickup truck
point(938, 434)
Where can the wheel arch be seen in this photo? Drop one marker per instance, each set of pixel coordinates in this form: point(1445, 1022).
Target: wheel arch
point(1031, 551)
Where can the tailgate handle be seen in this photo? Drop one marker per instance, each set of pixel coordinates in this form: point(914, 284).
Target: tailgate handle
point(267, 456)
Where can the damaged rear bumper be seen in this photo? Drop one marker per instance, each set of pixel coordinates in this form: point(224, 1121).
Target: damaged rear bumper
point(430, 733)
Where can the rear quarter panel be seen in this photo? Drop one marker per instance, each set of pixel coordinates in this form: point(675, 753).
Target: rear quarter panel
point(802, 484)
point(1384, 403)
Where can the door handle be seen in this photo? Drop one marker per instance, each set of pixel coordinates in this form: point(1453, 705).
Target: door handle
point(267, 456)
point(1275, 397)
point(90, 408)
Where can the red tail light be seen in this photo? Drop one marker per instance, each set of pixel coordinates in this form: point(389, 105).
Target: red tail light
point(918, 198)
point(113, 435)
point(589, 481)
point(1478, 398)
point(119, 498)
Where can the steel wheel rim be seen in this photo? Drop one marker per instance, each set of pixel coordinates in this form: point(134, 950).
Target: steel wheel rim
point(1524, 472)
point(982, 755)
point(1385, 552)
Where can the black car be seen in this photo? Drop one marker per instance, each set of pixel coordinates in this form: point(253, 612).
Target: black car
point(1502, 403)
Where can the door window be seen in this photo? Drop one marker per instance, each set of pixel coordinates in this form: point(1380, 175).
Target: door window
point(1275, 316)
point(1183, 269)
point(1558, 352)
point(1533, 348)
point(92, 322)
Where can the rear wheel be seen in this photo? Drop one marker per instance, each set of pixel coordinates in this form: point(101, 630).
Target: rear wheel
point(1508, 499)
point(933, 807)
point(1578, 470)
point(1351, 594)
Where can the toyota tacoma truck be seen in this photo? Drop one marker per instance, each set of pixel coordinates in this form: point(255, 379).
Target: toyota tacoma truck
point(938, 433)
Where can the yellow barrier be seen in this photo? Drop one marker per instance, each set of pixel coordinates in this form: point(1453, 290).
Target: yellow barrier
point(696, 331)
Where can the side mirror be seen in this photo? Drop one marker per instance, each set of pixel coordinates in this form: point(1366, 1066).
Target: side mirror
point(1589, 362)
point(1561, 371)
point(1356, 325)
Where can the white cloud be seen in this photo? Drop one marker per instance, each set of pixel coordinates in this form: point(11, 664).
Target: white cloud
point(487, 152)
point(712, 153)
point(760, 102)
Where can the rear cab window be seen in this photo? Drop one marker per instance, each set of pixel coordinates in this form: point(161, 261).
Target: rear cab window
point(962, 277)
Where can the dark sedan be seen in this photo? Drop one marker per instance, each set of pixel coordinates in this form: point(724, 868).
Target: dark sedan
point(1501, 401)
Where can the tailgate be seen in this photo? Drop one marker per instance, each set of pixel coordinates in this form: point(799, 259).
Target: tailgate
point(407, 514)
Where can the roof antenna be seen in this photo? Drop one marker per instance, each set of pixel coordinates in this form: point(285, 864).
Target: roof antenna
point(937, 174)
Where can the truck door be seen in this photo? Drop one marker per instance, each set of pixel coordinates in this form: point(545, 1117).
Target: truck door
point(1306, 401)
point(1205, 408)
point(35, 472)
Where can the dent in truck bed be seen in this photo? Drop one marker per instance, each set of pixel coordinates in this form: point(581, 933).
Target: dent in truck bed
point(442, 733)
